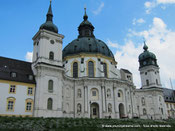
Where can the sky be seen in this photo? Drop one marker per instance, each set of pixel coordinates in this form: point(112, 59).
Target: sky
point(122, 24)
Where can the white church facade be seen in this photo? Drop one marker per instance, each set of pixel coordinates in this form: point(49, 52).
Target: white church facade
point(82, 80)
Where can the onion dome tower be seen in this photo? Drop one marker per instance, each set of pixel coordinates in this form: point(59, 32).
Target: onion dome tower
point(149, 69)
point(48, 25)
point(147, 58)
point(47, 68)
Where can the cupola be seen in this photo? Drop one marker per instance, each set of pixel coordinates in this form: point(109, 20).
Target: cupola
point(147, 58)
point(48, 25)
point(86, 42)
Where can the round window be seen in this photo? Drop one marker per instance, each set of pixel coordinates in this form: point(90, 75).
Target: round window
point(52, 41)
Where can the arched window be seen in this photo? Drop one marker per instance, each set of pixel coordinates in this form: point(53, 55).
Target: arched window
point(162, 111)
point(90, 69)
point(109, 107)
point(49, 104)
point(79, 108)
point(147, 82)
point(144, 111)
point(11, 103)
point(94, 94)
point(105, 69)
point(75, 69)
point(50, 86)
point(51, 55)
point(120, 95)
point(156, 81)
point(29, 105)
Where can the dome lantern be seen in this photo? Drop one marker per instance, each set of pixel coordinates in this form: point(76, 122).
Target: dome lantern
point(85, 29)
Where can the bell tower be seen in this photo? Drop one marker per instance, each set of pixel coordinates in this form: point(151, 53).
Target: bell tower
point(48, 42)
point(47, 68)
point(149, 69)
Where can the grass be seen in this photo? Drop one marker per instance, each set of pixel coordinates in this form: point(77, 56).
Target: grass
point(83, 124)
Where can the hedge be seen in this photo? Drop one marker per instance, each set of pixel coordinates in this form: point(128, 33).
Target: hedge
point(83, 124)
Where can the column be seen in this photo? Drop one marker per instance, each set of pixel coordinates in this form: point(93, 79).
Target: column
point(86, 98)
point(114, 99)
point(103, 99)
point(126, 103)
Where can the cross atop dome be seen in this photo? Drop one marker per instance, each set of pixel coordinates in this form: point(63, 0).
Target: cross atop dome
point(145, 47)
point(85, 17)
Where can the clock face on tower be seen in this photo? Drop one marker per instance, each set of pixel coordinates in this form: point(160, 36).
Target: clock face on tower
point(144, 63)
point(52, 41)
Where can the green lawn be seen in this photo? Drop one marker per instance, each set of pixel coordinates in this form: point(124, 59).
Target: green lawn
point(83, 124)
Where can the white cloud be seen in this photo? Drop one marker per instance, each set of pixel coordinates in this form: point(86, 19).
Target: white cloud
point(127, 57)
point(160, 41)
point(138, 21)
point(29, 56)
point(99, 9)
point(111, 44)
point(165, 1)
point(150, 5)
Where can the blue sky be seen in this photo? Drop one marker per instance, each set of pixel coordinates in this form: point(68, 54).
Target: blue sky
point(122, 24)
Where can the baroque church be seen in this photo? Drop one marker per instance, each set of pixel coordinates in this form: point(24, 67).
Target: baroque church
point(80, 81)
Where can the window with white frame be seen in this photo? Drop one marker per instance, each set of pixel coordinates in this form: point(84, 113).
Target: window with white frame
point(10, 104)
point(12, 89)
point(30, 91)
point(91, 69)
point(29, 105)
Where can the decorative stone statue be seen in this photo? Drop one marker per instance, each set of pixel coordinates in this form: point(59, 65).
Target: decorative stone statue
point(108, 93)
point(79, 93)
point(78, 108)
point(109, 107)
point(143, 101)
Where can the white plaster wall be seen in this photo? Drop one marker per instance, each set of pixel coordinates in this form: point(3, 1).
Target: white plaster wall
point(152, 104)
point(45, 74)
point(44, 47)
point(20, 96)
point(151, 76)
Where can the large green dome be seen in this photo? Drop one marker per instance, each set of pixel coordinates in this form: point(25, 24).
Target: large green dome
point(87, 45)
point(86, 42)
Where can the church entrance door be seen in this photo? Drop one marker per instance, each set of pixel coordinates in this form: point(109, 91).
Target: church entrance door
point(121, 110)
point(94, 110)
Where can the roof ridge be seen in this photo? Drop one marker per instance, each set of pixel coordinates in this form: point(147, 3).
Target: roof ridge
point(1, 57)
